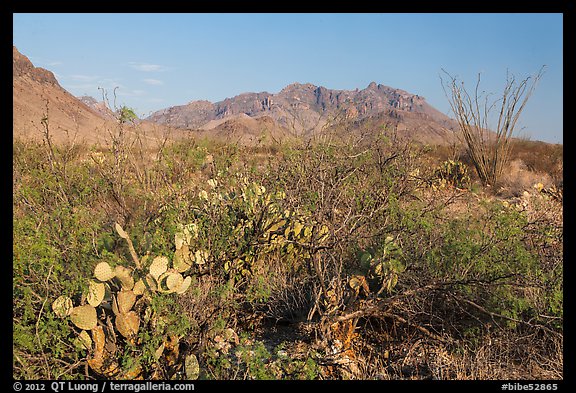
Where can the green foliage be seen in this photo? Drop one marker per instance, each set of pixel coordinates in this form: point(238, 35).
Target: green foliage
point(452, 173)
point(383, 265)
point(126, 115)
point(260, 242)
point(254, 361)
point(242, 225)
point(495, 249)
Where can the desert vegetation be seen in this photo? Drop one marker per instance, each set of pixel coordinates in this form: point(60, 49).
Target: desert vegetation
point(488, 141)
point(332, 258)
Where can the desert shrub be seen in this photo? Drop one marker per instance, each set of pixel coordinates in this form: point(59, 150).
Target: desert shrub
point(238, 225)
point(492, 266)
point(540, 157)
point(56, 235)
point(342, 237)
point(452, 173)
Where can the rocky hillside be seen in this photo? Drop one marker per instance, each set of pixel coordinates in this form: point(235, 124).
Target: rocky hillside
point(37, 95)
point(305, 109)
point(99, 107)
point(298, 110)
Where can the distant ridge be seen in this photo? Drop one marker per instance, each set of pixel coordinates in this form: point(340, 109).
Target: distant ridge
point(298, 110)
point(306, 109)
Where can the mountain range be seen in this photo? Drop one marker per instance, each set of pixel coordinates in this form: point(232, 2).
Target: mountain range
point(297, 111)
point(306, 109)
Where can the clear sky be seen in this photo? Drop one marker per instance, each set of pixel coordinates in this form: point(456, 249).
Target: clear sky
point(162, 60)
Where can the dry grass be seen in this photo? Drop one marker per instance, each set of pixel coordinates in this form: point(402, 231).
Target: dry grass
point(541, 157)
point(519, 178)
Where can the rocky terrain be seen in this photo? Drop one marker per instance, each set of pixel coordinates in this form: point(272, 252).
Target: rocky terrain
point(98, 106)
point(306, 109)
point(37, 95)
point(298, 110)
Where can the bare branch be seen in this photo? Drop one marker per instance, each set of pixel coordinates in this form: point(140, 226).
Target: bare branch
point(488, 149)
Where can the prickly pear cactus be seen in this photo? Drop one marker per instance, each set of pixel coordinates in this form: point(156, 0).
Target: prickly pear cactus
point(84, 317)
point(62, 306)
point(452, 173)
point(253, 215)
point(128, 324)
point(183, 258)
point(84, 340)
point(124, 275)
point(192, 367)
point(158, 267)
point(184, 286)
point(382, 267)
point(104, 272)
point(121, 297)
point(125, 300)
point(96, 292)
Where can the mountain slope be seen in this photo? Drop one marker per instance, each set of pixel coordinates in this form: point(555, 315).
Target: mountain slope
point(99, 107)
point(306, 109)
point(37, 94)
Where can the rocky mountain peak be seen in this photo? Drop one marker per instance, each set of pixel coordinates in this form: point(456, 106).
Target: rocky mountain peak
point(23, 67)
point(305, 108)
point(99, 107)
point(373, 86)
point(295, 87)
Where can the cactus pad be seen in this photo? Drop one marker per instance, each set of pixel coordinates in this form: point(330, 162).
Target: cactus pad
point(158, 267)
point(150, 282)
point(162, 286)
point(125, 301)
point(128, 324)
point(125, 276)
point(62, 306)
point(85, 340)
point(84, 317)
point(120, 231)
point(173, 281)
point(139, 287)
point(200, 257)
point(179, 240)
point(145, 284)
point(357, 282)
point(192, 367)
point(184, 286)
point(96, 292)
point(159, 351)
point(103, 272)
point(182, 259)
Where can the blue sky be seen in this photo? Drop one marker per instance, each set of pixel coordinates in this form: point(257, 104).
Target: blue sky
point(161, 60)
